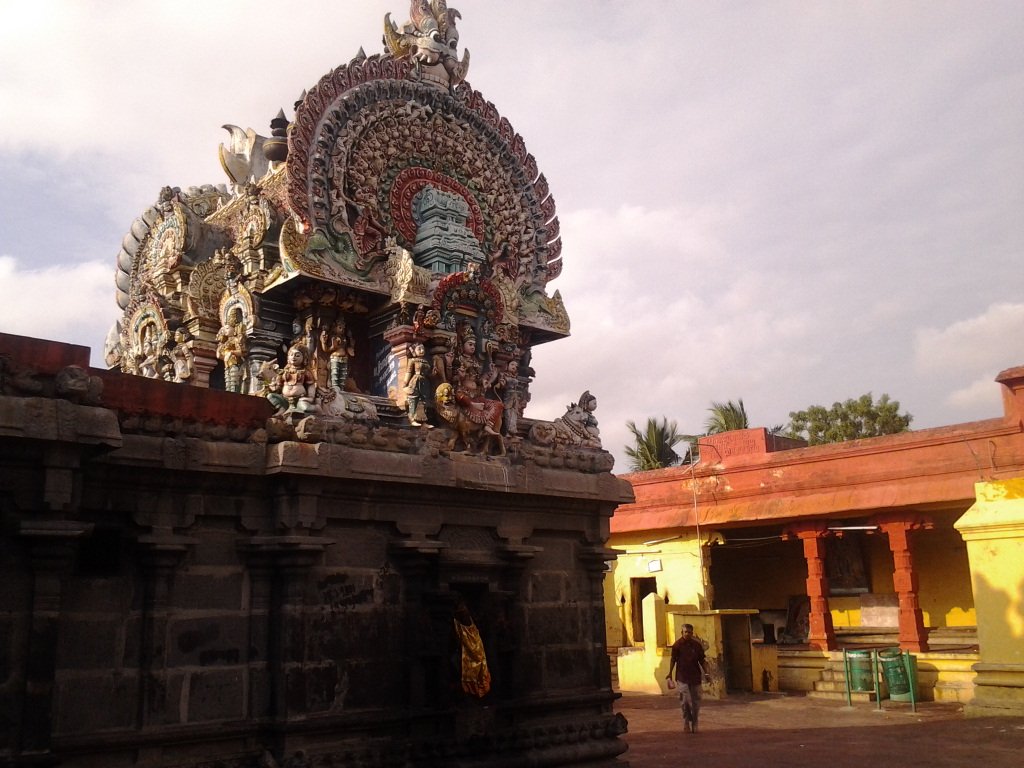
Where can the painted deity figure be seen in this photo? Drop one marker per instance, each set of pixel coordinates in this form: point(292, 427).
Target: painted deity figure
point(182, 357)
point(311, 337)
point(417, 382)
point(298, 386)
point(509, 386)
point(468, 364)
point(337, 343)
point(232, 349)
point(150, 349)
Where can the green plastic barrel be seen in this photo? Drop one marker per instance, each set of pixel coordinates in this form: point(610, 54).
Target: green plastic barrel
point(894, 671)
point(861, 675)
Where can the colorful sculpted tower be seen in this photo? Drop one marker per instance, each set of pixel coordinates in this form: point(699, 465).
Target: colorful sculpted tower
point(397, 208)
point(302, 520)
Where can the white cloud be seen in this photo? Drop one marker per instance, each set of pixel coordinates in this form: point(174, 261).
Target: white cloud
point(988, 342)
point(957, 364)
point(73, 304)
point(980, 396)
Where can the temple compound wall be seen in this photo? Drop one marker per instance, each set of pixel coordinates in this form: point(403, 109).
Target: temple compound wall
point(304, 518)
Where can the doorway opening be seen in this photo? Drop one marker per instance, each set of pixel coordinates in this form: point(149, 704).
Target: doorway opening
point(640, 588)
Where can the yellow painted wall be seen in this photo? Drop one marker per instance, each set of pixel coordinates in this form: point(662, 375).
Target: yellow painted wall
point(879, 562)
point(994, 531)
point(644, 669)
point(940, 558)
point(944, 581)
point(845, 611)
point(764, 576)
point(614, 613)
point(674, 564)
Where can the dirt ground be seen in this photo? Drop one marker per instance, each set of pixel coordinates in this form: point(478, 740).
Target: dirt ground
point(791, 731)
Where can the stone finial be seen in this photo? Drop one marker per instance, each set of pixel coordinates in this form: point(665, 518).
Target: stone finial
point(275, 149)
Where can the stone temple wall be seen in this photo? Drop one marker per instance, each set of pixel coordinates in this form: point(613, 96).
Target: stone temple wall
point(178, 590)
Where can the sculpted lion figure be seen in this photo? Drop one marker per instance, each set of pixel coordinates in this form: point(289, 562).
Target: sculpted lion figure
point(472, 420)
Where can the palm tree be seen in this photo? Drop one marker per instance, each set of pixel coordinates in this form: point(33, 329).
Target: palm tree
point(726, 417)
point(654, 447)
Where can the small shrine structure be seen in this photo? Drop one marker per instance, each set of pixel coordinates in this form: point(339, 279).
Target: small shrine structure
point(303, 519)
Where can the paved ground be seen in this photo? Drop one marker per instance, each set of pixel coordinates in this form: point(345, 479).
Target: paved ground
point(791, 731)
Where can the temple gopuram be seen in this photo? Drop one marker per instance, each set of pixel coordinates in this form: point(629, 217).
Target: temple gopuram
point(303, 518)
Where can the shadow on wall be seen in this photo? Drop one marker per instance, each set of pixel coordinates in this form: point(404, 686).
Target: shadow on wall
point(1000, 621)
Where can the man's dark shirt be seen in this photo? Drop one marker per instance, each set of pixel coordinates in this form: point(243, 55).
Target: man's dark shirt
point(688, 655)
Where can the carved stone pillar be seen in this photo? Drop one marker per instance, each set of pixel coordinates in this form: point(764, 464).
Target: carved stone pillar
point(159, 556)
point(425, 649)
point(594, 559)
point(280, 566)
point(52, 545)
point(260, 561)
point(272, 330)
point(204, 347)
point(821, 634)
point(400, 338)
point(510, 630)
point(913, 636)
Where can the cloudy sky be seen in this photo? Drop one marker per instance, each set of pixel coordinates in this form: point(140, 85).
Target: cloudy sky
point(791, 203)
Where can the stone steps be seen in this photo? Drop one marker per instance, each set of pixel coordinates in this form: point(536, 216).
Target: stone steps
point(939, 638)
point(832, 683)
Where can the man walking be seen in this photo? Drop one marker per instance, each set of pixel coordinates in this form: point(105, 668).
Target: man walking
point(690, 672)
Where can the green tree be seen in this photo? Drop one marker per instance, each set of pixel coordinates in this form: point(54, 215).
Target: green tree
point(851, 420)
point(725, 417)
point(654, 447)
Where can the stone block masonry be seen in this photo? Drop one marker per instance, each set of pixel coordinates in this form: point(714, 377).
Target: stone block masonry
point(167, 603)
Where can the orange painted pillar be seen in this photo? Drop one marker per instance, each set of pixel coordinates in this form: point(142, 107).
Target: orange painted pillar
point(913, 636)
point(822, 634)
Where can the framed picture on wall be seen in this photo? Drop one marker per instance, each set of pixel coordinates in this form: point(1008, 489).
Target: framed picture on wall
point(844, 565)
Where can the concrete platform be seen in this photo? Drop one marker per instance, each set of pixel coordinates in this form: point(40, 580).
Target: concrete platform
point(796, 731)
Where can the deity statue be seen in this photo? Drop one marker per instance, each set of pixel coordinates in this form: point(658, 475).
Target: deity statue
point(417, 382)
point(474, 421)
point(508, 385)
point(149, 359)
point(182, 357)
point(232, 349)
point(337, 343)
point(311, 341)
point(297, 385)
point(467, 364)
